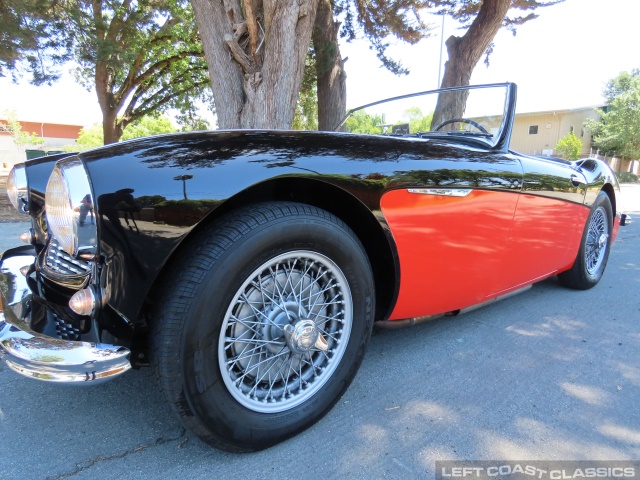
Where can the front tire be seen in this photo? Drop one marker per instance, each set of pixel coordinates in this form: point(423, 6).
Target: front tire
point(594, 247)
point(263, 324)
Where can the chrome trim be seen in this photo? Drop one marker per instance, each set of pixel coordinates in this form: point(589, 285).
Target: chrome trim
point(61, 263)
point(39, 356)
point(18, 177)
point(77, 182)
point(447, 192)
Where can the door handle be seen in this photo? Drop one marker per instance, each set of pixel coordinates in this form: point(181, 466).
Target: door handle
point(577, 180)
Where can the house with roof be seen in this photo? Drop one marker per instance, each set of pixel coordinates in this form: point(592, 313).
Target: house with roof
point(537, 133)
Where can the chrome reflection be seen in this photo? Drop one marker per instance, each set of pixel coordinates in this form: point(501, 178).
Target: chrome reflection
point(447, 192)
point(39, 356)
point(72, 219)
point(17, 189)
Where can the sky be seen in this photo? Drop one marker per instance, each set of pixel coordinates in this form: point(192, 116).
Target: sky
point(560, 60)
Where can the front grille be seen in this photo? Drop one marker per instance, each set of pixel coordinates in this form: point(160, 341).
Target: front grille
point(66, 331)
point(59, 261)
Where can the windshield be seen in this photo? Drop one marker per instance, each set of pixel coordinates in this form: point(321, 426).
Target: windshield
point(477, 112)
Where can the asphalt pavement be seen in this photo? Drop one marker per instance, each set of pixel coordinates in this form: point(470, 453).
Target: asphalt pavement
point(548, 374)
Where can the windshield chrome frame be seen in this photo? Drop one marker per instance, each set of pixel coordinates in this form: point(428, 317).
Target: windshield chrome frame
point(504, 134)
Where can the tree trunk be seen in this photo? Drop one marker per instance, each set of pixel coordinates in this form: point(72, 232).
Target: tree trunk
point(111, 128)
point(255, 57)
point(330, 75)
point(464, 54)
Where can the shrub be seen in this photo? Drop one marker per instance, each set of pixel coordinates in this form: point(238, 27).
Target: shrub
point(569, 147)
point(627, 177)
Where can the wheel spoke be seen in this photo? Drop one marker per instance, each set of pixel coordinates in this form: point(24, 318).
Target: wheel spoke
point(264, 369)
point(597, 241)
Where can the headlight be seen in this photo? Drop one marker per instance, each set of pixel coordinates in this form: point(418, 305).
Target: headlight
point(68, 186)
point(17, 190)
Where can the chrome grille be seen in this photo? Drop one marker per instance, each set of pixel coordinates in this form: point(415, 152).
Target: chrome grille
point(62, 263)
point(66, 330)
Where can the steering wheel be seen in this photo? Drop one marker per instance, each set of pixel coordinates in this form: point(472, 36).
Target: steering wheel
point(460, 120)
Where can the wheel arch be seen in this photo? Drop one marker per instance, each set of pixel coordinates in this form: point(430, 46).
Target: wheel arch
point(608, 189)
point(369, 226)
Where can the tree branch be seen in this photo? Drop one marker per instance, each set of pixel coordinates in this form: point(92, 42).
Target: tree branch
point(141, 90)
point(118, 21)
point(247, 64)
point(143, 112)
point(252, 28)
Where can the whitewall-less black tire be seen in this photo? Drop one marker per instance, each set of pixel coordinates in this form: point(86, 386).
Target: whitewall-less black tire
point(594, 247)
point(263, 323)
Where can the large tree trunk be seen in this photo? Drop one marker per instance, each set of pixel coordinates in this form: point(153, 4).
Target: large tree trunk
point(256, 58)
point(464, 54)
point(111, 128)
point(330, 75)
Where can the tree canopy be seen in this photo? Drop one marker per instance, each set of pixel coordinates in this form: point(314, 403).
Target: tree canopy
point(30, 39)
point(91, 137)
point(618, 130)
point(141, 57)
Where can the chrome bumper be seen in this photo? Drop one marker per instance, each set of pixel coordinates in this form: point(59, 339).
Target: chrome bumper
point(39, 356)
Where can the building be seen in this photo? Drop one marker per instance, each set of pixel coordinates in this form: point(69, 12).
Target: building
point(55, 136)
point(537, 133)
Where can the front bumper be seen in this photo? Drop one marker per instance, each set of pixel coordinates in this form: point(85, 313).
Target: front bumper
point(41, 356)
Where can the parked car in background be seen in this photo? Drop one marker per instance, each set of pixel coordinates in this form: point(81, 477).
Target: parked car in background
point(249, 267)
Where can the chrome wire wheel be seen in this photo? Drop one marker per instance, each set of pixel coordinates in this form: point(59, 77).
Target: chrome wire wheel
point(597, 241)
point(285, 331)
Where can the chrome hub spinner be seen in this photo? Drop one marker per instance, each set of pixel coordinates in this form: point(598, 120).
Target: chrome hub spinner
point(303, 336)
point(602, 241)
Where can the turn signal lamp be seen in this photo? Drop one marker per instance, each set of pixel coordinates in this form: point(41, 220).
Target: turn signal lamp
point(83, 301)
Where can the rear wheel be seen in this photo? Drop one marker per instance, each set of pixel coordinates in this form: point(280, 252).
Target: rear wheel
point(594, 247)
point(263, 324)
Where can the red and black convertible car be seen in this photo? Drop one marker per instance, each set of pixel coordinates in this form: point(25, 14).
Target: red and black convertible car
point(248, 268)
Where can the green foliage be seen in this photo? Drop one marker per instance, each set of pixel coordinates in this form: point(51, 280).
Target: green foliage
point(569, 147)
point(149, 126)
point(418, 122)
point(362, 122)
point(190, 121)
point(306, 113)
point(618, 130)
point(627, 177)
point(31, 38)
point(20, 138)
point(92, 137)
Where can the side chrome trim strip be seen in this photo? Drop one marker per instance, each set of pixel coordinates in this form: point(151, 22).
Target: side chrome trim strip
point(447, 192)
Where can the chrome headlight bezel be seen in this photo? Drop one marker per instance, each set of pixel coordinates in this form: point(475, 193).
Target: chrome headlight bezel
point(18, 188)
point(67, 186)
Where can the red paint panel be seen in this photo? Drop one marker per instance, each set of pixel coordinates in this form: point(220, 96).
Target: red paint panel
point(544, 240)
point(616, 228)
point(452, 249)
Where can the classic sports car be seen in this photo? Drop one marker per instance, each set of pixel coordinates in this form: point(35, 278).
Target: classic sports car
point(248, 267)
